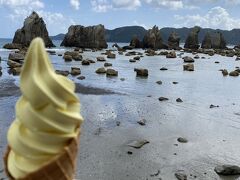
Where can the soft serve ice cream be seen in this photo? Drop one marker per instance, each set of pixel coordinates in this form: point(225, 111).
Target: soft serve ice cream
point(47, 114)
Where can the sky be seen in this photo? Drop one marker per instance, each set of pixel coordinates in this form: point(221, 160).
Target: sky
point(60, 14)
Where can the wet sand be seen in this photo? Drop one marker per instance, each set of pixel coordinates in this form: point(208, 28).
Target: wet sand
point(212, 133)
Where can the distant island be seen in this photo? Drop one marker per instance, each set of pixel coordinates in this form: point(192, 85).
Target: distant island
point(125, 34)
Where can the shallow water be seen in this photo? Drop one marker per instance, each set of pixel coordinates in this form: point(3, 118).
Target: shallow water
point(213, 134)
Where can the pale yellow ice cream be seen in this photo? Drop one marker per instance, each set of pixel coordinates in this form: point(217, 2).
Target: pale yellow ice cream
point(47, 114)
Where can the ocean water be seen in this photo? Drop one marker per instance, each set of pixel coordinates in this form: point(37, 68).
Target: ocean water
point(213, 134)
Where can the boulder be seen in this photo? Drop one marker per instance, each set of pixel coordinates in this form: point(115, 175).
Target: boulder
point(101, 70)
point(15, 71)
point(234, 73)
point(207, 41)
point(107, 64)
point(85, 37)
point(100, 58)
point(192, 39)
point(64, 73)
point(135, 42)
point(173, 41)
point(85, 62)
point(153, 39)
point(67, 57)
point(111, 56)
point(224, 72)
point(75, 71)
point(112, 72)
point(13, 64)
point(141, 72)
point(188, 59)
point(188, 67)
point(33, 27)
point(171, 54)
point(227, 170)
point(16, 57)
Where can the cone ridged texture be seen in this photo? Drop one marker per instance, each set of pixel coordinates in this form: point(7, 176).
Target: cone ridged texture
point(61, 167)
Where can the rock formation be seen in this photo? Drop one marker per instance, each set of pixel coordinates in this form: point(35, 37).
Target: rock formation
point(34, 26)
point(173, 41)
point(218, 41)
point(192, 39)
point(153, 39)
point(135, 42)
point(85, 37)
point(215, 41)
point(207, 41)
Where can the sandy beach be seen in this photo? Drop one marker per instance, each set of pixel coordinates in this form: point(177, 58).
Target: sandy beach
point(112, 107)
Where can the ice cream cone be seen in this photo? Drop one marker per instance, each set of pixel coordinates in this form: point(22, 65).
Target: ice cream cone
point(61, 167)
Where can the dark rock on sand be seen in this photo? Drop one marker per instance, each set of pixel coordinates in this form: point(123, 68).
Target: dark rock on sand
point(13, 64)
point(141, 72)
point(16, 57)
point(67, 58)
point(227, 170)
point(173, 41)
point(224, 72)
point(75, 71)
point(159, 82)
point(111, 56)
point(136, 43)
point(163, 69)
point(112, 72)
point(182, 140)
point(179, 100)
point(188, 67)
point(192, 39)
point(171, 54)
point(153, 39)
point(101, 70)
point(137, 58)
point(163, 99)
point(85, 37)
point(85, 62)
point(34, 26)
point(180, 175)
point(138, 143)
point(61, 72)
point(213, 106)
point(142, 122)
point(132, 60)
point(81, 77)
point(188, 59)
point(101, 58)
point(107, 64)
point(234, 73)
point(174, 82)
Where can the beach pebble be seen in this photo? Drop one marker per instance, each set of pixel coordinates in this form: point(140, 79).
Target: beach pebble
point(159, 82)
point(180, 175)
point(179, 100)
point(112, 72)
point(138, 143)
point(163, 69)
point(101, 70)
point(182, 140)
point(227, 170)
point(142, 122)
point(162, 99)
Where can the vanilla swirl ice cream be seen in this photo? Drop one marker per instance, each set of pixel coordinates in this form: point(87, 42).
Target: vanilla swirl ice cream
point(47, 114)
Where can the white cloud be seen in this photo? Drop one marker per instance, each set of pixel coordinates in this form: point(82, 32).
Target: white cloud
point(75, 4)
point(170, 4)
point(127, 4)
point(21, 3)
point(216, 17)
point(100, 5)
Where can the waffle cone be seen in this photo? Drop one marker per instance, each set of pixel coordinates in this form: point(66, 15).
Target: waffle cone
point(61, 167)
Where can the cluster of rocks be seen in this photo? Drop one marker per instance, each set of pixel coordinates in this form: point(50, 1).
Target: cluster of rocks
point(15, 62)
point(233, 73)
point(108, 72)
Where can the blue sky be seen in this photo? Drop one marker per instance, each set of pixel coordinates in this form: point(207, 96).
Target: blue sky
point(60, 14)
